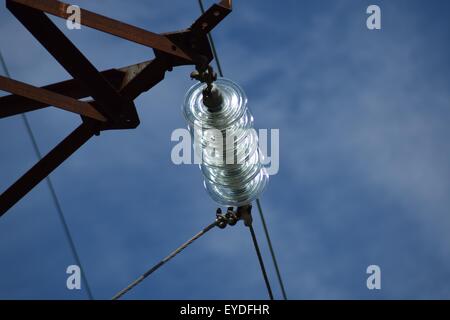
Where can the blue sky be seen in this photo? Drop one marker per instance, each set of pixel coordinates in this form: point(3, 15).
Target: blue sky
point(364, 159)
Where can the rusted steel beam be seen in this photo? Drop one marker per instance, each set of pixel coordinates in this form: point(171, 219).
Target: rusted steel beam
point(211, 18)
point(130, 81)
point(146, 78)
point(15, 104)
point(108, 25)
point(111, 104)
point(45, 166)
point(51, 98)
point(227, 3)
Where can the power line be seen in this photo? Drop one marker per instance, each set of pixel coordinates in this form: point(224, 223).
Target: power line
point(272, 252)
point(217, 222)
point(261, 214)
point(261, 262)
point(163, 261)
point(52, 193)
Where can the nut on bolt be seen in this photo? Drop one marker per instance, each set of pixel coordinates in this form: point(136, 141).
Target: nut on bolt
point(231, 217)
point(221, 222)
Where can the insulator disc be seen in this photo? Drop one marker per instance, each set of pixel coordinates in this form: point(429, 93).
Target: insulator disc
point(227, 144)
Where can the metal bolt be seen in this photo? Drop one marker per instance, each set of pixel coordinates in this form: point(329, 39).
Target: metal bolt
point(222, 224)
point(232, 220)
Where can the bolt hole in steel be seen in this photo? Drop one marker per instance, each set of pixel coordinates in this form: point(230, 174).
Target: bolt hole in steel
point(227, 144)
